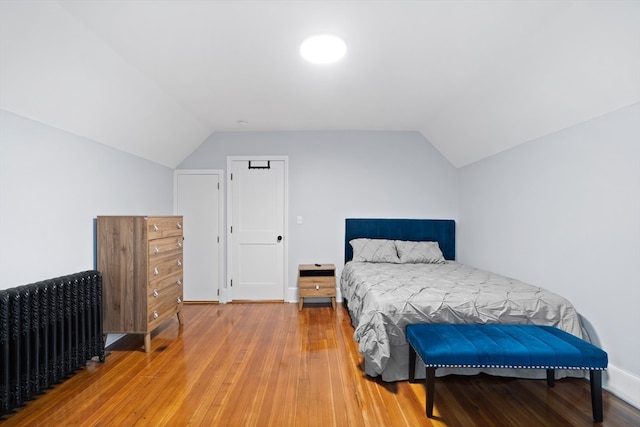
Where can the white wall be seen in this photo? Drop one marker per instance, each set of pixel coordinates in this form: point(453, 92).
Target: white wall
point(563, 212)
point(52, 186)
point(335, 175)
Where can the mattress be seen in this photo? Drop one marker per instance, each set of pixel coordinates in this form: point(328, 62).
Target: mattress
point(383, 298)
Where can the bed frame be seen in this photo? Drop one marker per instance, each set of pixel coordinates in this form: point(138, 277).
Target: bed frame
point(442, 231)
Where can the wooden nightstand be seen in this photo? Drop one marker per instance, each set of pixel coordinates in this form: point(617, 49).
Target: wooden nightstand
point(316, 281)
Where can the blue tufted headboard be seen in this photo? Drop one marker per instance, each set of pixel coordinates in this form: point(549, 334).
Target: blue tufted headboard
point(442, 231)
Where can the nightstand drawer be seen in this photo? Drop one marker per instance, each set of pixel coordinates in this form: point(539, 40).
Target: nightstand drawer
point(314, 282)
point(313, 292)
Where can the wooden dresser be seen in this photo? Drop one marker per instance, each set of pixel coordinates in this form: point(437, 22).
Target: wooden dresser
point(140, 259)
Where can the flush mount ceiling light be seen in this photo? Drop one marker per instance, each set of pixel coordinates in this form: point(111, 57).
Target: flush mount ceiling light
point(323, 49)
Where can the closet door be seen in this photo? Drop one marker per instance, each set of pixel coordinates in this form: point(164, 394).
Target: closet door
point(197, 197)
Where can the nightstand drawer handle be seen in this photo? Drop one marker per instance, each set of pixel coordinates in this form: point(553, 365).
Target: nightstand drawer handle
point(178, 300)
point(179, 282)
point(179, 263)
point(155, 271)
point(156, 250)
point(155, 314)
point(179, 226)
point(155, 227)
point(179, 244)
point(155, 293)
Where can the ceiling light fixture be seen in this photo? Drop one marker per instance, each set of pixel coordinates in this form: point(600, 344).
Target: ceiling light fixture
point(323, 49)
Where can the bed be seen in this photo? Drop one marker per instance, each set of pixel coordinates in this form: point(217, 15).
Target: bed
point(386, 287)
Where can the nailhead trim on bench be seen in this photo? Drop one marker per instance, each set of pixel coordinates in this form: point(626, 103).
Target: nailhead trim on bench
point(428, 365)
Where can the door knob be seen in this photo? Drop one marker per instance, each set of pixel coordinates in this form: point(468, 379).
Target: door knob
point(279, 238)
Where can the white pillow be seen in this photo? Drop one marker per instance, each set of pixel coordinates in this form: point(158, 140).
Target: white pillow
point(419, 252)
point(374, 250)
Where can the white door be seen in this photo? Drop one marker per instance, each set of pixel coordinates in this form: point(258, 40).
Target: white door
point(257, 238)
point(198, 200)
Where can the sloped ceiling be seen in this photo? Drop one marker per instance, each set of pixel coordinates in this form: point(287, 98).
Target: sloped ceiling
point(155, 78)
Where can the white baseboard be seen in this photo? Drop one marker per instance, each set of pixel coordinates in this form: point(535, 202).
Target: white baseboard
point(624, 385)
point(292, 295)
point(223, 296)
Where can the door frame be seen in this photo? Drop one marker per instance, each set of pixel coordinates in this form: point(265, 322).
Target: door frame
point(221, 210)
point(285, 241)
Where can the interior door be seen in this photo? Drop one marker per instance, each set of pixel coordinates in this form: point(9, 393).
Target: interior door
point(257, 193)
point(197, 199)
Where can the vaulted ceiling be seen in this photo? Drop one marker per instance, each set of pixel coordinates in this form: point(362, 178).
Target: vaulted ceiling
point(156, 78)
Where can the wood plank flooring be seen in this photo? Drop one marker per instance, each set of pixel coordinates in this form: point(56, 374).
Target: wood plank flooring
point(270, 365)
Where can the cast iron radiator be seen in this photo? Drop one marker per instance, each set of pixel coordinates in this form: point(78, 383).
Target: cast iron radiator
point(48, 330)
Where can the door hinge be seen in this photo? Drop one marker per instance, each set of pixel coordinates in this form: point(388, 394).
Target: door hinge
point(231, 177)
point(218, 186)
point(232, 229)
point(218, 239)
point(231, 283)
point(218, 292)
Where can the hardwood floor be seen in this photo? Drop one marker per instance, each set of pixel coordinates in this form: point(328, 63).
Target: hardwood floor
point(270, 365)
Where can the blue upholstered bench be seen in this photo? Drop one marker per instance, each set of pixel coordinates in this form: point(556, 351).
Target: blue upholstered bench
point(503, 346)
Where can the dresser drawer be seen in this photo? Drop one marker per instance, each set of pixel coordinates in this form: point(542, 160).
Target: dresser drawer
point(172, 281)
point(159, 248)
point(167, 304)
point(159, 227)
point(159, 296)
point(163, 267)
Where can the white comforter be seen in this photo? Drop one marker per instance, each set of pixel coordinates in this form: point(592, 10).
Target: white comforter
point(383, 298)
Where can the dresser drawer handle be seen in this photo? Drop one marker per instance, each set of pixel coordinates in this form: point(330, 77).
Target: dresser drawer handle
point(317, 287)
point(155, 271)
point(179, 263)
point(179, 282)
point(178, 300)
point(179, 244)
point(156, 250)
point(179, 226)
point(155, 314)
point(155, 293)
point(155, 227)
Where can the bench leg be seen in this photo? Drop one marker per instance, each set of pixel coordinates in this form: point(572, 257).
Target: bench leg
point(551, 377)
point(430, 380)
point(412, 364)
point(595, 378)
